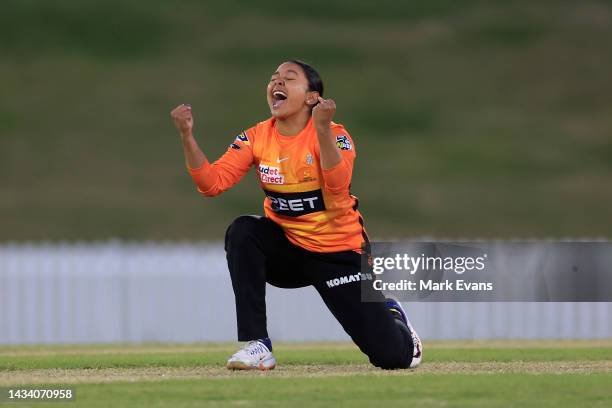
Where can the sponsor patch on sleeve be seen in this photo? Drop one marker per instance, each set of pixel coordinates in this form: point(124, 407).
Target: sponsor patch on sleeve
point(243, 138)
point(343, 142)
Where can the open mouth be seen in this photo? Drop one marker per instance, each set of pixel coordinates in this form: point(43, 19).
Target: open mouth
point(278, 98)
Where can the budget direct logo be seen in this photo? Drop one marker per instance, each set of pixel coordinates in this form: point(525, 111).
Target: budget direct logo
point(270, 175)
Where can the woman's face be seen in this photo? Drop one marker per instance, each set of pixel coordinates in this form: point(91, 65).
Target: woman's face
point(288, 92)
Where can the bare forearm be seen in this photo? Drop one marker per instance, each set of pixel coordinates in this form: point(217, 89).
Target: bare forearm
point(194, 157)
point(330, 156)
point(183, 120)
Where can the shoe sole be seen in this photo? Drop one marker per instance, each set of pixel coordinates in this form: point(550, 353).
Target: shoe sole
point(238, 365)
point(416, 360)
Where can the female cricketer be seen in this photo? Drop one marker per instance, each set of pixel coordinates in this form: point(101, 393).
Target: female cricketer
point(311, 233)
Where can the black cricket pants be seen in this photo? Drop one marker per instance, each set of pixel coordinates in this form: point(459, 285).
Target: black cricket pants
point(258, 252)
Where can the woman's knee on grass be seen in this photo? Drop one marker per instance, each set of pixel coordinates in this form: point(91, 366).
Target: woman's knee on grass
point(394, 355)
point(390, 359)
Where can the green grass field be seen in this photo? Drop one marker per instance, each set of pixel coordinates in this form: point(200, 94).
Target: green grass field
point(454, 374)
point(472, 119)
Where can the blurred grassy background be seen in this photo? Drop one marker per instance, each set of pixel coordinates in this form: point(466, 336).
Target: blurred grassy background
point(471, 118)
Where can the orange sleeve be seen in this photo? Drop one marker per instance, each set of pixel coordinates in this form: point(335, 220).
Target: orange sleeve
point(213, 179)
point(338, 178)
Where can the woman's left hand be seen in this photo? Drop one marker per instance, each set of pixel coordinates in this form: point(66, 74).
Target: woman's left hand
point(323, 112)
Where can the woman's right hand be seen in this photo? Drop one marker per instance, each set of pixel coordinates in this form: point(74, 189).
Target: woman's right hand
point(183, 119)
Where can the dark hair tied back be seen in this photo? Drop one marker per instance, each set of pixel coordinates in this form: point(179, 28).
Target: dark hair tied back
point(315, 83)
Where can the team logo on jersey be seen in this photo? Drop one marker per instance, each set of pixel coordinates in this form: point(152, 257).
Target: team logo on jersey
point(270, 175)
point(309, 159)
point(305, 175)
point(296, 204)
point(235, 146)
point(343, 142)
point(243, 138)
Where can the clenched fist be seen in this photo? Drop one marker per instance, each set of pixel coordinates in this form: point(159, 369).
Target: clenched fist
point(323, 112)
point(183, 119)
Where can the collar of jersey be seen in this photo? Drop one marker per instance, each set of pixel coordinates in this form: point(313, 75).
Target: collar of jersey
point(287, 139)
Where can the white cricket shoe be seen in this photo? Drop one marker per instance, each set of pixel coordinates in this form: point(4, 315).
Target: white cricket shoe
point(253, 356)
point(396, 308)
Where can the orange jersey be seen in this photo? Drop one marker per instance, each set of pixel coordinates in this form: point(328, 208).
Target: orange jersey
point(313, 206)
